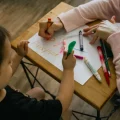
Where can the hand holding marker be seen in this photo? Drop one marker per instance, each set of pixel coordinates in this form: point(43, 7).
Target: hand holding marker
point(70, 49)
point(49, 23)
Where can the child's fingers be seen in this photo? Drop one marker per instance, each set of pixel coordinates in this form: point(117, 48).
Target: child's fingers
point(72, 52)
point(21, 44)
point(64, 55)
point(71, 55)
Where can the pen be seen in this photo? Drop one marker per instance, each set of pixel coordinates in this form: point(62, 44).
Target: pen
point(79, 57)
point(95, 73)
point(103, 65)
point(81, 40)
point(105, 55)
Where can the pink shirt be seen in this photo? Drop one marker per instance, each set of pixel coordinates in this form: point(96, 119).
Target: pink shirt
point(101, 9)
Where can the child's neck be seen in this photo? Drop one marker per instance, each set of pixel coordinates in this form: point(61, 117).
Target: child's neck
point(2, 94)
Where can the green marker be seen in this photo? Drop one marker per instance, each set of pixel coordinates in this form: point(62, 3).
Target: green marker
point(70, 47)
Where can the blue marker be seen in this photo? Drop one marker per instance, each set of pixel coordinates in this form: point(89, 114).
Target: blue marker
point(81, 40)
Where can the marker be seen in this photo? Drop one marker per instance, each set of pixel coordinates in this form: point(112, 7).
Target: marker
point(49, 23)
point(70, 47)
point(105, 56)
point(81, 40)
point(79, 57)
point(103, 65)
point(95, 73)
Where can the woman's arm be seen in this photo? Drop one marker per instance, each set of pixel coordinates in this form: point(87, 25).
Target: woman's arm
point(101, 9)
point(114, 41)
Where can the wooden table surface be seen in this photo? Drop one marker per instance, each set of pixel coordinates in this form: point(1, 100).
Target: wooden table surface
point(92, 92)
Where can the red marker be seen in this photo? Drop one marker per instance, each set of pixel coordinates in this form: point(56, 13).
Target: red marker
point(106, 74)
point(79, 57)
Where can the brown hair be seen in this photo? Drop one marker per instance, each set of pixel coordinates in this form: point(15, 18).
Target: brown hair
point(4, 34)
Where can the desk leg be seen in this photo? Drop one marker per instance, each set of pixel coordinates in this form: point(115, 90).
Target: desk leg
point(27, 72)
point(98, 115)
point(22, 63)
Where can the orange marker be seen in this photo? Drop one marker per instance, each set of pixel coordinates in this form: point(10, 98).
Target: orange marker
point(49, 23)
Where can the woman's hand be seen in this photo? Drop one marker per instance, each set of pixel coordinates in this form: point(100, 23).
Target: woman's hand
point(56, 25)
point(102, 30)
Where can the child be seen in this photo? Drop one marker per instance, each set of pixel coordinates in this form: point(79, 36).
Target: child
point(31, 107)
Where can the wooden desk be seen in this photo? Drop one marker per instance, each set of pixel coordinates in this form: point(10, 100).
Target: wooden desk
point(92, 92)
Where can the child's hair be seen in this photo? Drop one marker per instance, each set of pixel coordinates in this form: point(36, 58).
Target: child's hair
point(4, 34)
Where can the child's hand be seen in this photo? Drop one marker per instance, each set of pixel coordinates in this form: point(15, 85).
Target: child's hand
point(22, 48)
point(57, 24)
point(68, 62)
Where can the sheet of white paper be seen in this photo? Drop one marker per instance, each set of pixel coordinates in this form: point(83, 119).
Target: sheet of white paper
point(51, 51)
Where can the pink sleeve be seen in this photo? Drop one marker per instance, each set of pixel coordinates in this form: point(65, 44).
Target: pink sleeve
point(101, 9)
point(114, 41)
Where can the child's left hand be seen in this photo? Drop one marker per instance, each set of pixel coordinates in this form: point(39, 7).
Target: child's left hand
point(22, 48)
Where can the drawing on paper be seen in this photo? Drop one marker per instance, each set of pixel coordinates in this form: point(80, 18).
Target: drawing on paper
point(52, 51)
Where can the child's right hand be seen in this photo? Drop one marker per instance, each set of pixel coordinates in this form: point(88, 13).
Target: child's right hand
point(22, 48)
point(68, 62)
point(57, 25)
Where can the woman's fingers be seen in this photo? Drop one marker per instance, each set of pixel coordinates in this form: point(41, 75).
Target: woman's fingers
point(92, 31)
point(94, 39)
